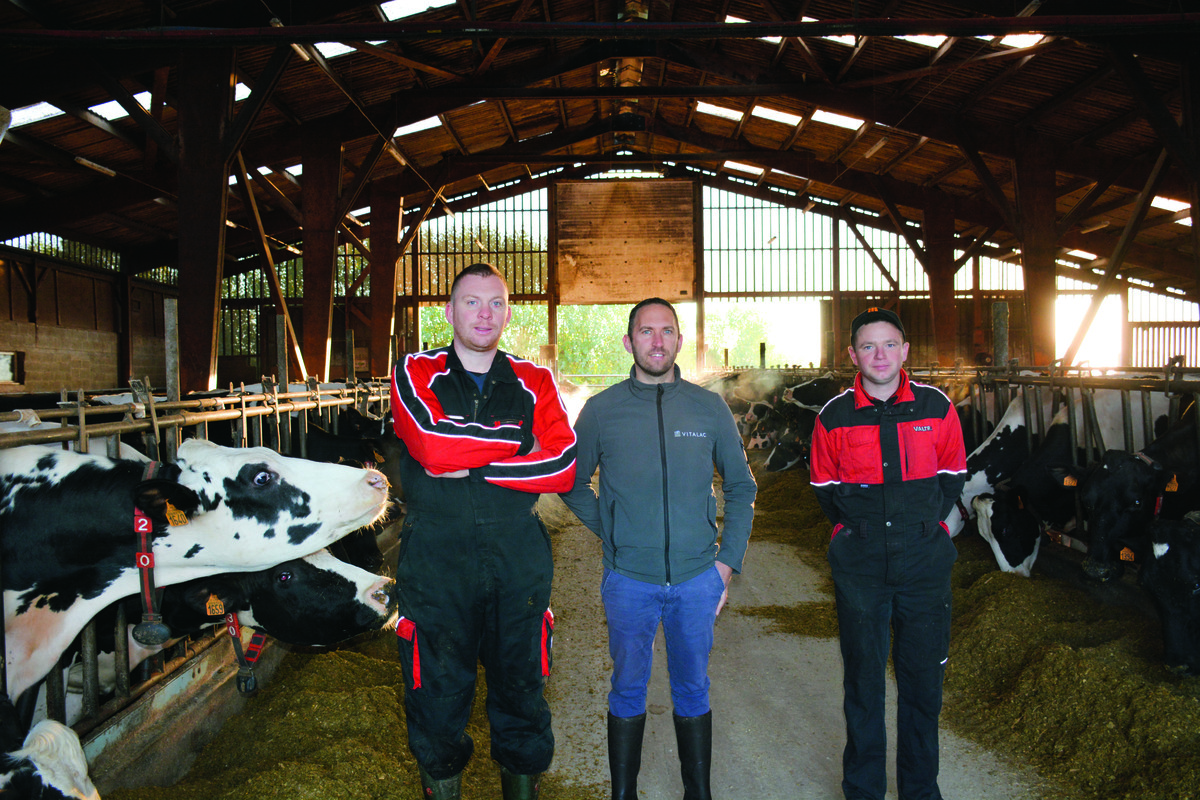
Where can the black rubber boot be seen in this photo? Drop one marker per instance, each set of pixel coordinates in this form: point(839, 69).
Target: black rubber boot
point(446, 789)
point(519, 787)
point(625, 754)
point(694, 736)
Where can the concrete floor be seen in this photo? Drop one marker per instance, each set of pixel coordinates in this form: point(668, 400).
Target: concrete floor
point(778, 729)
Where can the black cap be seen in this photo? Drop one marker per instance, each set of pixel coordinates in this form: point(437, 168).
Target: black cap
point(874, 314)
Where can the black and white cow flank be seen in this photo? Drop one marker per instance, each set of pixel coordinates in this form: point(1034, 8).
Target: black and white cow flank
point(67, 530)
point(46, 764)
point(997, 458)
point(1171, 575)
point(1041, 493)
point(1127, 491)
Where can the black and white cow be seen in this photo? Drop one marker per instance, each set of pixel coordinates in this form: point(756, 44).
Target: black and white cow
point(46, 764)
point(797, 411)
point(1041, 493)
point(997, 458)
point(69, 547)
point(315, 601)
point(1171, 575)
point(1128, 491)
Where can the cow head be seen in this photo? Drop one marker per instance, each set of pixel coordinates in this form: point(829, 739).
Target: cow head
point(1171, 575)
point(315, 601)
point(1011, 528)
point(259, 508)
point(1119, 497)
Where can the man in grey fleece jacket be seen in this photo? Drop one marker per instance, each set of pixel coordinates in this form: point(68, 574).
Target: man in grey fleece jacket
point(656, 439)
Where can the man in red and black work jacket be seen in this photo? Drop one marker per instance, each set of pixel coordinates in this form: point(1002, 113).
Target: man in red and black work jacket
point(484, 433)
point(887, 465)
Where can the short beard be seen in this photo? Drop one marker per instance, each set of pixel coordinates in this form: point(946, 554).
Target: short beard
point(656, 373)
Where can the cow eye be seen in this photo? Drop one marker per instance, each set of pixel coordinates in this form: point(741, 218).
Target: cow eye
point(284, 577)
point(264, 478)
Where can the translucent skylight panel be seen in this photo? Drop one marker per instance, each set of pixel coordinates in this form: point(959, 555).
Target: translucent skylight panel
point(1082, 254)
point(333, 49)
point(1016, 39)
point(926, 39)
point(240, 92)
point(1167, 204)
point(840, 120)
point(719, 111)
point(766, 112)
point(398, 9)
point(422, 125)
point(739, 167)
point(34, 113)
point(847, 39)
point(771, 39)
point(112, 110)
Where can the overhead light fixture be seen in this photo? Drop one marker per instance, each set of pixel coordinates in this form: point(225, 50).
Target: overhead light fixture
point(395, 153)
point(875, 148)
point(92, 165)
point(299, 48)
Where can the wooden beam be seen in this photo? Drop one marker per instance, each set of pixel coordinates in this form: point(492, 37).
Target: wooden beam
point(1117, 259)
point(387, 209)
point(322, 180)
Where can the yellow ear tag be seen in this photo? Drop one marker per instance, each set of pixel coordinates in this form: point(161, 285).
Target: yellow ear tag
point(379, 459)
point(214, 606)
point(175, 517)
point(1070, 480)
point(1173, 486)
point(1126, 554)
point(1020, 503)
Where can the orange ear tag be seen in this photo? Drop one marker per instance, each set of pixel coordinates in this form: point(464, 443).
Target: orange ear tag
point(1173, 486)
point(214, 606)
point(175, 517)
point(1126, 554)
point(1069, 480)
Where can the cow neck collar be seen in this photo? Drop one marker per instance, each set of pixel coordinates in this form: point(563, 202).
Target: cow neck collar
point(151, 630)
point(247, 683)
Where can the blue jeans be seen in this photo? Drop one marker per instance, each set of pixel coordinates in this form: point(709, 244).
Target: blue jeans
point(687, 612)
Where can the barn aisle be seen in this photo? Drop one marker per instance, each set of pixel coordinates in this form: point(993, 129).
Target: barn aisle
point(777, 720)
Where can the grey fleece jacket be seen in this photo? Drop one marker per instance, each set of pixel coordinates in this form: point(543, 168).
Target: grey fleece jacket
point(656, 445)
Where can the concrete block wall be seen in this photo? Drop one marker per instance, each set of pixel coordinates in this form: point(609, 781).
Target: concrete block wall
point(70, 358)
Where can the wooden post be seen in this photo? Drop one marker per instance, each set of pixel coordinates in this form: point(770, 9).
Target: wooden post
point(387, 207)
point(206, 82)
point(322, 158)
point(1039, 242)
point(940, 267)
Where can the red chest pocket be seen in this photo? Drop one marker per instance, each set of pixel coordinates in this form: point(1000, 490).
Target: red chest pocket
point(918, 443)
point(858, 455)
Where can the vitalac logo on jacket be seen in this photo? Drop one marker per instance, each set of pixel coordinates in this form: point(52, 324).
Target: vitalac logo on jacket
point(922, 427)
point(693, 434)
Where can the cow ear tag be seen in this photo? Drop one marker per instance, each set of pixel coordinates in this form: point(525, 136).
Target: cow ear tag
point(214, 606)
point(1126, 554)
point(1173, 485)
point(175, 517)
point(1070, 480)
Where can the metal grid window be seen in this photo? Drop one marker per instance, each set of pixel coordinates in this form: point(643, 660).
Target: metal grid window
point(72, 252)
point(752, 246)
point(512, 234)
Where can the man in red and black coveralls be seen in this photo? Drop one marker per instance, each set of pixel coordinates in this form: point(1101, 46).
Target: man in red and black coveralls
point(484, 433)
point(887, 465)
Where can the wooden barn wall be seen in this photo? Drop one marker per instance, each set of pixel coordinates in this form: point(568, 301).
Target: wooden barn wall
point(918, 326)
point(622, 241)
point(67, 327)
